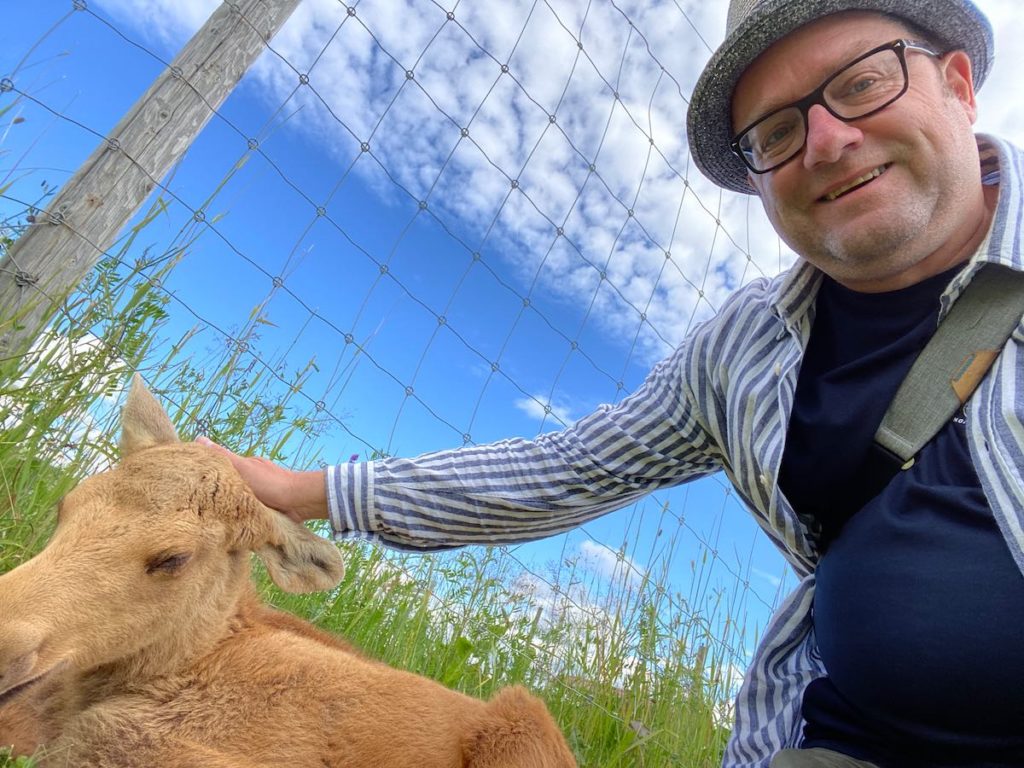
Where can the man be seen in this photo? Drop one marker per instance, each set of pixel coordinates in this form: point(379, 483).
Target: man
point(852, 121)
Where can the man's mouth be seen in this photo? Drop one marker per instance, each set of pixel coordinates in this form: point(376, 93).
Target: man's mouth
point(858, 182)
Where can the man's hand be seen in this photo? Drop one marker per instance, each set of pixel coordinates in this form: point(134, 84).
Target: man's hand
point(299, 495)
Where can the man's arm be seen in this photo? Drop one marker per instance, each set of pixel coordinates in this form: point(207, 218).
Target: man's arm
point(509, 491)
point(513, 490)
point(674, 428)
point(519, 490)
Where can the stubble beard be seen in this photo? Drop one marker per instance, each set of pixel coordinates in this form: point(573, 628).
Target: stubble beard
point(881, 248)
point(870, 245)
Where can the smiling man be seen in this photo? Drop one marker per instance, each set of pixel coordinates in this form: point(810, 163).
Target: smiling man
point(901, 646)
point(889, 131)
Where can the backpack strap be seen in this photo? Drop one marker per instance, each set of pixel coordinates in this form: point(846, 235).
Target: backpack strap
point(953, 363)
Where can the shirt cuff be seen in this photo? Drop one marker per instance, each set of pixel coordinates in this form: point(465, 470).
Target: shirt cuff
point(349, 499)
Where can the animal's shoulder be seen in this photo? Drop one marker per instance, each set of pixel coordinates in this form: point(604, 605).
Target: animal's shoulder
point(264, 647)
point(274, 620)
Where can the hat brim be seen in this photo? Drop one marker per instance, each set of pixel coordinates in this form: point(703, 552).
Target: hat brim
point(952, 24)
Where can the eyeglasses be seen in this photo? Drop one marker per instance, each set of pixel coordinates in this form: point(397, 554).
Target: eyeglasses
point(866, 85)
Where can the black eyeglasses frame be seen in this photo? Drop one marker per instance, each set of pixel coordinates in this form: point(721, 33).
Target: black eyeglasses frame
point(817, 96)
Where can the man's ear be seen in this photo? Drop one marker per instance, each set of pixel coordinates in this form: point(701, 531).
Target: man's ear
point(958, 76)
point(144, 423)
point(296, 558)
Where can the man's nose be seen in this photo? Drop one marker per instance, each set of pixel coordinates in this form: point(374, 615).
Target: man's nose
point(828, 137)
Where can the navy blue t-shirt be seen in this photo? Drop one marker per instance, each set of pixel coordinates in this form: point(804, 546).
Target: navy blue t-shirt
point(919, 606)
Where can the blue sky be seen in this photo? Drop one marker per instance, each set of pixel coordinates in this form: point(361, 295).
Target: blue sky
point(640, 258)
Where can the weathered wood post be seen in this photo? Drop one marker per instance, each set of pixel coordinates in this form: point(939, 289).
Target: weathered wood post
point(85, 217)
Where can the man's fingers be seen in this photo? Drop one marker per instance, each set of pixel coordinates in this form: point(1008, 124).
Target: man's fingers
point(203, 440)
point(241, 463)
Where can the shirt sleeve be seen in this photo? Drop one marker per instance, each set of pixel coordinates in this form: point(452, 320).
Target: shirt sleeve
point(519, 490)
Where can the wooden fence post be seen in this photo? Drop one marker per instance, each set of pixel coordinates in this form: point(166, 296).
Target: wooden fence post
point(85, 217)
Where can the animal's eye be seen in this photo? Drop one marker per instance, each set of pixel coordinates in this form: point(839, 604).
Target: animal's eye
point(169, 563)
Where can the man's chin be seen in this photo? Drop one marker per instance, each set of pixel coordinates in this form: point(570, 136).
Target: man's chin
point(866, 261)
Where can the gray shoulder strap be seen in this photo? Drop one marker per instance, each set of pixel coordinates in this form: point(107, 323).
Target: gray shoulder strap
point(955, 360)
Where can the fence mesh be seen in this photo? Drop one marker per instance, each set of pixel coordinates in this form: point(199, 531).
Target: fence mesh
point(437, 226)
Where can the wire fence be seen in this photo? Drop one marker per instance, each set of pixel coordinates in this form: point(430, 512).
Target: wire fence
point(479, 221)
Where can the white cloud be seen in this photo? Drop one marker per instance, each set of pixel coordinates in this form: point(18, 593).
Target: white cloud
point(535, 408)
point(725, 707)
point(170, 22)
point(617, 221)
point(587, 630)
point(771, 578)
point(569, 607)
point(642, 200)
point(612, 565)
point(999, 99)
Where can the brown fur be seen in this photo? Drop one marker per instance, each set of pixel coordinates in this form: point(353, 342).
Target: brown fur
point(151, 647)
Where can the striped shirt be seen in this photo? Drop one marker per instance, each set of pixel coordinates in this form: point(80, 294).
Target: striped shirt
point(721, 401)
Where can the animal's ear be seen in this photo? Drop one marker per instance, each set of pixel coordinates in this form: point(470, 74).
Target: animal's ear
point(296, 558)
point(144, 423)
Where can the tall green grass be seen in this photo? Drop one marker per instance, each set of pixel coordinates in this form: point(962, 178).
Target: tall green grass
point(634, 674)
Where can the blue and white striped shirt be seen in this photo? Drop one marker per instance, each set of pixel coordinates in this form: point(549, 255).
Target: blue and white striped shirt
point(720, 402)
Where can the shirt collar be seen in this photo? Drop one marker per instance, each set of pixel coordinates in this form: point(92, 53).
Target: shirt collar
point(1002, 163)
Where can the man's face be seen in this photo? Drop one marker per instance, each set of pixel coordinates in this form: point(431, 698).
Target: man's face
point(924, 213)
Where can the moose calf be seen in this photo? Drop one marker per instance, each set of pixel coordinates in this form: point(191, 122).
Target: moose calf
point(136, 638)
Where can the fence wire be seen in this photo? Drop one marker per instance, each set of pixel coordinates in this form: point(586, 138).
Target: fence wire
point(537, 158)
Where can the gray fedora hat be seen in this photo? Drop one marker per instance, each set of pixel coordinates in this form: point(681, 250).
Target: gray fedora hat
point(754, 25)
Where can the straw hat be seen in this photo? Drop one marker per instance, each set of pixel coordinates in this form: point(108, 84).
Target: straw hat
point(753, 25)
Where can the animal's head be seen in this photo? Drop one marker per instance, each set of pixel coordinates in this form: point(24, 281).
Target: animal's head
point(148, 559)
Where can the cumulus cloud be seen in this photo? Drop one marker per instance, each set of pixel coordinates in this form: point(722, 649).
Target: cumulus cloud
point(569, 606)
point(170, 22)
point(551, 134)
point(998, 102)
point(581, 602)
point(612, 565)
